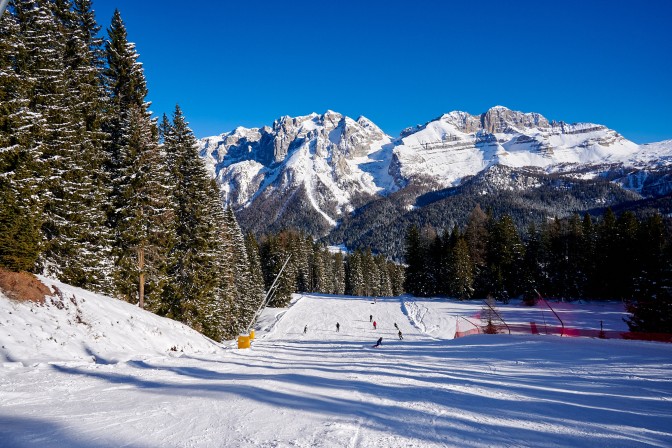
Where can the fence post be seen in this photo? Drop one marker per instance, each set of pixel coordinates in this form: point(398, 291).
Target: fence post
point(562, 331)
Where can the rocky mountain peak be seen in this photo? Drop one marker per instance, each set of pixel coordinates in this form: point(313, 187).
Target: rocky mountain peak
point(499, 119)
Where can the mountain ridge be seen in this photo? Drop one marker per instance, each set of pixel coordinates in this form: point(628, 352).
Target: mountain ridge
point(333, 164)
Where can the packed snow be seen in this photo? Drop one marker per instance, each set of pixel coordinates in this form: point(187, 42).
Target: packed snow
point(118, 376)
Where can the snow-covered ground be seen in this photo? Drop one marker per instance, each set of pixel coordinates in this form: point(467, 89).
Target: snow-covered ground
point(105, 382)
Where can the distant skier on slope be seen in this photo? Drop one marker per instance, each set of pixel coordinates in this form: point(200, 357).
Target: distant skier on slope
point(400, 335)
point(395, 326)
point(338, 327)
point(374, 325)
point(379, 342)
point(305, 329)
point(370, 317)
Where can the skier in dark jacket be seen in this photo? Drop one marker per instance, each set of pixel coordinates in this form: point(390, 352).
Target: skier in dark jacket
point(400, 335)
point(395, 326)
point(338, 326)
point(370, 317)
point(305, 329)
point(379, 342)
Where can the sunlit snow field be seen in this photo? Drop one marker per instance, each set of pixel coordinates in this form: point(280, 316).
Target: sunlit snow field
point(326, 388)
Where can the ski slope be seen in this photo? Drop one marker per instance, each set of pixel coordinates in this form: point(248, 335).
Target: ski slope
point(331, 389)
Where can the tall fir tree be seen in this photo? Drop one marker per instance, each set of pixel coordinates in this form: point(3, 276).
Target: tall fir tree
point(416, 278)
point(256, 274)
point(505, 255)
point(461, 270)
point(249, 294)
point(78, 243)
point(339, 273)
point(354, 274)
point(126, 90)
point(476, 235)
point(144, 218)
point(384, 281)
point(20, 149)
point(201, 271)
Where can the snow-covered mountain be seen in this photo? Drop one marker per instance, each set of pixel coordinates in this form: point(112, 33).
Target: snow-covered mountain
point(458, 144)
point(318, 168)
point(330, 160)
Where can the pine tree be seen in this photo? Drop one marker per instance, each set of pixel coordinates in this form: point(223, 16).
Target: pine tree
point(339, 273)
point(461, 273)
point(476, 235)
point(370, 274)
point(533, 278)
point(607, 254)
point(505, 256)
point(145, 217)
point(589, 254)
point(416, 279)
point(126, 89)
point(651, 309)
point(256, 274)
point(384, 282)
point(249, 294)
point(318, 271)
point(396, 273)
point(354, 275)
point(202, 272)
point(628, 266)
point(20, 151)
point(79, 246)
point(274, 253)
point(328, 281)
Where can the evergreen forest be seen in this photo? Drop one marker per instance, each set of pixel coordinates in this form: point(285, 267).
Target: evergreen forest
point(618, 257)
point(97, 193)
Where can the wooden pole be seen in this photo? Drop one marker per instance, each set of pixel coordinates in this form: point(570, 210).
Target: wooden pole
point(562, 331)
point(141, 280)
point(268, 296)
point(497, 314)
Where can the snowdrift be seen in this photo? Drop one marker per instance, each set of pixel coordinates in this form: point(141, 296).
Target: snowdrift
point(76, 325)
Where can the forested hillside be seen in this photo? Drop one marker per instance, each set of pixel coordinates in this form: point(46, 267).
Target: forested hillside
point(98, 194)
point(618, 257)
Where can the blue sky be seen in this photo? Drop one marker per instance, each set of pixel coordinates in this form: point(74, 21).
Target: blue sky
point(230, 63)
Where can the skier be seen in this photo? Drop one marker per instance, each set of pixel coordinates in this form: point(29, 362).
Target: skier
point(370, 317)
point(400, 335)
point(379, 342)
point(395, 326)
point(338, 327)
point(305, 329)
point(374, 324)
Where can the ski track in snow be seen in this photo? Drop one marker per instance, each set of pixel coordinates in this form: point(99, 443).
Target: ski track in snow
point(330, 389)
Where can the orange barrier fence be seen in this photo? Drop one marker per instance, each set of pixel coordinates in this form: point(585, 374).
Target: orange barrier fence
point(534, 328)
point(459, 334)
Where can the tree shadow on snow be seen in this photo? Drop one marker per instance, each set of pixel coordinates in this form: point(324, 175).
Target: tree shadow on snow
point(20, 432)
point(402, 391)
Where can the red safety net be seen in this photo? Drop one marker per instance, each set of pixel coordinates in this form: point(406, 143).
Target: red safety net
point(537, 328)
